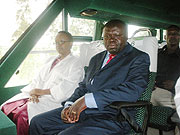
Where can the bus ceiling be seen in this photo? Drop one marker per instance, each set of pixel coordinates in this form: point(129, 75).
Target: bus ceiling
point(148, 13)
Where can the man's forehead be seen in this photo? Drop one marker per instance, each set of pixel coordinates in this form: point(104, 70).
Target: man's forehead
point(173, 30)
point(61, 36)
point(111, 29)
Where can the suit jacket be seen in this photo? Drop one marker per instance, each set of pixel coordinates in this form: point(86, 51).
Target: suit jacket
point(124, 78)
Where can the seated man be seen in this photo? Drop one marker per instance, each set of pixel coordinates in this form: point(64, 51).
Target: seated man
point(55, 82)
point(168, 69)
point(118, 74)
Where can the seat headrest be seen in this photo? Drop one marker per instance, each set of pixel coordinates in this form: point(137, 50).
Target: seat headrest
point(87, 51)
point(150, 46)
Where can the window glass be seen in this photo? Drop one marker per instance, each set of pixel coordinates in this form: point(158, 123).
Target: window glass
point(161, 45)
point(164, 33)
point(43, 49)
point(81, 27)
point(158, 34)
point(133, 28)
point(16, 17)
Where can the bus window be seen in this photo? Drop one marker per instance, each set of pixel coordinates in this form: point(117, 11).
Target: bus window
point(76, 29)
point(17, 18)
point(43, 49)
point(132, 29)
point(164, 33)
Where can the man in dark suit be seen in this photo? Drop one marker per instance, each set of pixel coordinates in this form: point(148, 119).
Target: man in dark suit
point(118, 74)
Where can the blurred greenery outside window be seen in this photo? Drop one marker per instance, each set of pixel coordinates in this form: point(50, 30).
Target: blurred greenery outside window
point(16, 17)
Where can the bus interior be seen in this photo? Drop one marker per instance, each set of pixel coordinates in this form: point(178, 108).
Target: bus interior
point(152, 16)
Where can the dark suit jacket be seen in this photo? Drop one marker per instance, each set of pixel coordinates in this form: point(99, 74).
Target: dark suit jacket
point(124, 78)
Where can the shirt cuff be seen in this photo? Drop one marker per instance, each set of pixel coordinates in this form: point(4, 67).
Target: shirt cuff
point(67, 104)
point(90, 101)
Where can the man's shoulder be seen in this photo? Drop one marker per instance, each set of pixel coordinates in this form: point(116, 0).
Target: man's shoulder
point(138, 52)
point(131, 50)
point(73, 58)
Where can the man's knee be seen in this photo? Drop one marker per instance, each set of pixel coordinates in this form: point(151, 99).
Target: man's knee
point(35, 121)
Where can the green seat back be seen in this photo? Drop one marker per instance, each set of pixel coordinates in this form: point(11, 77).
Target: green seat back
point(160, 118)
point(7, 127)
point(146, 96)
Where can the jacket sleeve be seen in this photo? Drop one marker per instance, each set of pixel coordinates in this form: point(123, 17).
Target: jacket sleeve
point(131, 89)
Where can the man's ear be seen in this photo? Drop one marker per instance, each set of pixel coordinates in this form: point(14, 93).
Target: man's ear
point(165, 37)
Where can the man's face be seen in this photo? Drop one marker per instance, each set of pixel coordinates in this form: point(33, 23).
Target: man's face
point(173, 37)
point(115, 38)
point(63, 43)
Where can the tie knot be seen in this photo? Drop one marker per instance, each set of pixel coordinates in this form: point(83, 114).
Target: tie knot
point(112, 56)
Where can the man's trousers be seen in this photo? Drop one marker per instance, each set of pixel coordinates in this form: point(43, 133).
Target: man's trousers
point(50, 123)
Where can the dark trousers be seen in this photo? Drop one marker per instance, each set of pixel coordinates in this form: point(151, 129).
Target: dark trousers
point(50, 123)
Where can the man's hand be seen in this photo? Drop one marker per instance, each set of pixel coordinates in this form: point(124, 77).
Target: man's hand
point(65, 115)
point(168, 84)
point(36, 93)
point(76, 109)
point(34, 99)
point(39, 92)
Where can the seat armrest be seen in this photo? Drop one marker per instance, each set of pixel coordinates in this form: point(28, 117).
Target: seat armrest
point(121, 112)
point(123, 104)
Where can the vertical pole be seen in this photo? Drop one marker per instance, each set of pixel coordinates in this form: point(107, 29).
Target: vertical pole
point(161, 35)
point(64, 20)
point(98, 30)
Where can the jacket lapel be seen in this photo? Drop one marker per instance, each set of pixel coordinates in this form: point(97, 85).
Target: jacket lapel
point(99, 62)
point(119, 57)
point(101, 57)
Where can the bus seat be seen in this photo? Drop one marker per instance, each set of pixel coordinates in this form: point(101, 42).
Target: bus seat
point(149, 45)
point(7, 127)
point(161, 116)
point(161, 119)
point(89, 50)
point(143, 109)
